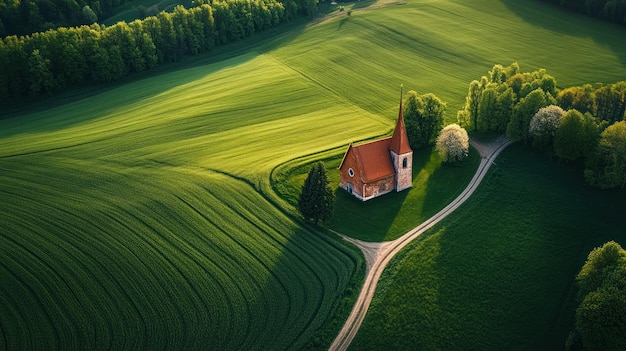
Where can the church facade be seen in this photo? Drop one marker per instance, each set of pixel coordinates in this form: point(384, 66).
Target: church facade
point(375, 168)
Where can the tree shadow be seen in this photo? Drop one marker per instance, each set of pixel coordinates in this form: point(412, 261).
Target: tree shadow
point(52, 112)
point(373, 220)
point(312, 263)
point(447, 182)
point(321, 274)
point(369, 220)
point(206, 241)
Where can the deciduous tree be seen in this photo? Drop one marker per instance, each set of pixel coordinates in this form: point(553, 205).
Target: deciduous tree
point(40, 76)
point(601, 318)
point(578, 98)
point(517, 129)
point(600, 264)
point(433, 110)
point(89, 16)
point(423, 116)
point(576, 136)
point(601, 315)
point(453, 144)
point(544, 124)
point(307, 7)
point(469, 117)
point(486, 120)
point(611, 102)
point(506, 102)
point(491, 101)
point(607, 167)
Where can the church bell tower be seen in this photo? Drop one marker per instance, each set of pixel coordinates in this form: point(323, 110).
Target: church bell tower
point(401, 153)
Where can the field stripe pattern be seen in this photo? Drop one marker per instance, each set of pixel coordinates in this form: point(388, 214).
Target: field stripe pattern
point(171, 271)
point(142, 216)
point(141, 225)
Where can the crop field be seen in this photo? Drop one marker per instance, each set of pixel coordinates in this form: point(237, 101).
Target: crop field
point(157, 258)
point(142, 216)
point(133, 218)
point(499, 273)
point(440, 46)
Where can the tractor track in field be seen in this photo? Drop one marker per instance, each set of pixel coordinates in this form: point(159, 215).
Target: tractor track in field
point(379, 254)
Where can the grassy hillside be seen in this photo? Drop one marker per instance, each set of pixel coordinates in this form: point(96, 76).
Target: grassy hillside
point(142, 216)
point(390, 216)
point(498, 274)
point(133, 218)
point(103, 255)
point(440, 46)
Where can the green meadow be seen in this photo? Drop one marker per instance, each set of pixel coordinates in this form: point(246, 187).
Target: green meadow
point(143, 215)
point(499, 273)
point(390, 216)
point(133, 219)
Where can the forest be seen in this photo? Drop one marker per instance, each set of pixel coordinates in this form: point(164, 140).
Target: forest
point(600, 321)
point(30, 16)
point(47, 62)
point(578, 123)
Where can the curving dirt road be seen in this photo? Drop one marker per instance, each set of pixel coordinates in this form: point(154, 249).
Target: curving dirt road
point(378, 255)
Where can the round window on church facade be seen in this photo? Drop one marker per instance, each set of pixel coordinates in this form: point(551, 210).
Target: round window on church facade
point(351, 172)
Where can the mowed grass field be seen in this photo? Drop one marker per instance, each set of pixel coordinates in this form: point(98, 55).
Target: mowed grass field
point(499, 274)
point(143, 216)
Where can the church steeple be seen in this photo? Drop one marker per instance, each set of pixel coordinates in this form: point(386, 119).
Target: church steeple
point(399, 141)
point(401, 153)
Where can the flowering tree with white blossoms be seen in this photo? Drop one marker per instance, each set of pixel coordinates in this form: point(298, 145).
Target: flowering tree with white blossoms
point(453, 144)
point(544, 124)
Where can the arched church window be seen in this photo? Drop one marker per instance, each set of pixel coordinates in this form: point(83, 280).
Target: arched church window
point(404, 162)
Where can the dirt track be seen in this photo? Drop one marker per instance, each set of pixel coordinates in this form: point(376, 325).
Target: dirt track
point(378, 255)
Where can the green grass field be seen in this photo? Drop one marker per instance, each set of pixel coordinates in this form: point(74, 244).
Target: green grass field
point(142, 215)
point(390, 216)
point(145, 204)
point(498, 274)
point(97, 255)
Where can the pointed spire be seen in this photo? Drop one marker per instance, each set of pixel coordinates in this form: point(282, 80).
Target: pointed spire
point(399, 143)
point(400, 112)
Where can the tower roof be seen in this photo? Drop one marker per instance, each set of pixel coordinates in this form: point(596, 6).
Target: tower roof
point(399, 143)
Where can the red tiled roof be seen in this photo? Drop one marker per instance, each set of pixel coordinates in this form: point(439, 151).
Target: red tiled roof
point(374, 160)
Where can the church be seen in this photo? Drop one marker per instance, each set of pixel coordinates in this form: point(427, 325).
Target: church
point(378, 167)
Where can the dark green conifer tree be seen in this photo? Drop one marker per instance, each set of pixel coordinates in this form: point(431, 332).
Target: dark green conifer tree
point(317, 197)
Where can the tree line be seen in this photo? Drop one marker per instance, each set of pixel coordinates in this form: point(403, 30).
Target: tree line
point(577, 123)
point(609, 10)
point(601, 313)
point(51, 61)
point(29, 16)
